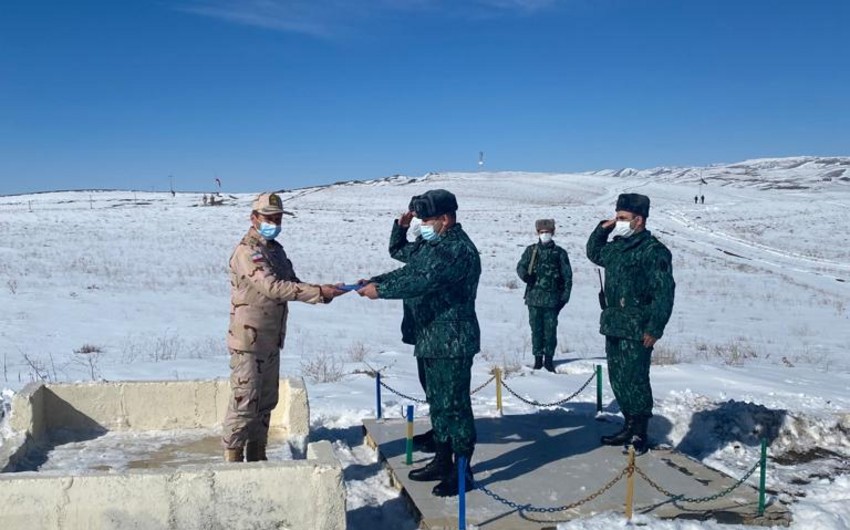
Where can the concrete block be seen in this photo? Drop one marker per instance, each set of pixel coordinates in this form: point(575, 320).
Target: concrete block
point(28, 411)
point(299, 494)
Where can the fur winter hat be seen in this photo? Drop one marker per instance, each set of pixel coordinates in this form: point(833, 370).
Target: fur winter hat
point(545, 225)
point(633, 202)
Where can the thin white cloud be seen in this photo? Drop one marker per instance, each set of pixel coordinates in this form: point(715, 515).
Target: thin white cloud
point(323, 17)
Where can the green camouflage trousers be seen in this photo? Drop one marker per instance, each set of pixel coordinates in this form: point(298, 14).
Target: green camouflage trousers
point(254, 381)
point(544, 330)
point(628, 372)
point(447, 389)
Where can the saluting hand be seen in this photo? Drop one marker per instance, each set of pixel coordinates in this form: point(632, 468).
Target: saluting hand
point(404, 220)
point(370, 291)
point(609, 223)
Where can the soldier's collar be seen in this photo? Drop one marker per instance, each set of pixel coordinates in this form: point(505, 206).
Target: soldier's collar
point(254, 237)
point(637, 238)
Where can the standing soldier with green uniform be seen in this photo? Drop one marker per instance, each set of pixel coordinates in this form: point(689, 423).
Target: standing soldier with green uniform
point(404, 251)
point(442, 284)
point(262, 281)
point(545, 269)
point(638, 301)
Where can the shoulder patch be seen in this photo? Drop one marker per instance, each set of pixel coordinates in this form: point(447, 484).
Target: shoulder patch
point(257, 257)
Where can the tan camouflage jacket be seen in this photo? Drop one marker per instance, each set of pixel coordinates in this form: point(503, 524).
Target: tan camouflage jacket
point(262, 281)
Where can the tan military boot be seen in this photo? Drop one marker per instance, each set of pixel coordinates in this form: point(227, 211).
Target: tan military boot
point(255, 451)
point(233, 455)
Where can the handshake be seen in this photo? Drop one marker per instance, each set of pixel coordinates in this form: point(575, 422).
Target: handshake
point(363, 288)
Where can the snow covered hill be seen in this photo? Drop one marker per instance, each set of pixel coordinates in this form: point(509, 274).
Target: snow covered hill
point(793, 173)
point(757, 342)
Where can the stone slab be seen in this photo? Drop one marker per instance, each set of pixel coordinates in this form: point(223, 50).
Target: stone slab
point(550, 460)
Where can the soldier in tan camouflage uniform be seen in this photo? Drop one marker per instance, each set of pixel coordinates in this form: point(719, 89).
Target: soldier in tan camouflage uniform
point(262, 282)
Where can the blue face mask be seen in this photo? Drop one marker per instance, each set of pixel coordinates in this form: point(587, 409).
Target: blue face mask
point(268, 230)
point(428, 233)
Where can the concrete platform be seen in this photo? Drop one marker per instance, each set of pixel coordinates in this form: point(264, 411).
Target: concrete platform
point(554, 459)
point(115, 455)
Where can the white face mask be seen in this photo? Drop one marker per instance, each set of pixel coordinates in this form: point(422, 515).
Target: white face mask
point(415, 227)
point(545, 237)
point(623, 229)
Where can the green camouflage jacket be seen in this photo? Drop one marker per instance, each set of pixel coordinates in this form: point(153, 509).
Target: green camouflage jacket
point(639, 286)
point(403, 250)
point(550, 280)
point(440, 285)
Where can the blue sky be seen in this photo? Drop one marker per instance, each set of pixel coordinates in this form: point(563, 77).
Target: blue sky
point(285, 93)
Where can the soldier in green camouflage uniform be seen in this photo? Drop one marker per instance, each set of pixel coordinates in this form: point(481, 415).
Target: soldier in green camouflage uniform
point(638, 301)
point(403, 250)
point(441, 285)
point(545, 269)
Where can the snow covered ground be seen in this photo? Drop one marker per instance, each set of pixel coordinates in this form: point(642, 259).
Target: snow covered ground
point(132, 285)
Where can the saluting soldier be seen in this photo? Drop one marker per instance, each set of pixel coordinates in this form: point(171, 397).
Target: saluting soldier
point(545, 269)
point(638, 302)
point(404, 250)
point(262, 281)
point(441, 284)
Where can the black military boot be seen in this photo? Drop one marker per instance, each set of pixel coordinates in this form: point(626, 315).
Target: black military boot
point(449, 486)
point(425, 442)
point(639, 439)
point(255, 452)
point(549, 364)
point(622, 436)
point(538, 362)
point(437, 469)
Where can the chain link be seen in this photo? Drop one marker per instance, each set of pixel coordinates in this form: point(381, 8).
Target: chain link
point(626, 471)
point(554, 403)
point(423, 401)
point(400, 394)
point(576, 504)
point(708, 498)
point(481, 387)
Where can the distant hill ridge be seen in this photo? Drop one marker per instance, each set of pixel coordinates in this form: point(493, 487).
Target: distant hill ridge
point(790, 173)
point(799, 172)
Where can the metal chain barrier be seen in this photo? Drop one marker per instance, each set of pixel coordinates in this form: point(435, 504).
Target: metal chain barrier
point(554, 403)
point(530, 508)
point(400, 394)
point(708, 498)
point(423, 401)
point(481, 386)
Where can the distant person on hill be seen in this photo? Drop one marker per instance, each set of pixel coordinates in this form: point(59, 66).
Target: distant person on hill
point(262, 281)
point(545, 269)
point(638, 302)
point(696, 199)
point(702, 199)
point(205, 199)
point(441, 283)
point(406, 251)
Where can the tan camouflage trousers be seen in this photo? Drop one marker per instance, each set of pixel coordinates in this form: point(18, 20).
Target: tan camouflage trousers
point(254, 380)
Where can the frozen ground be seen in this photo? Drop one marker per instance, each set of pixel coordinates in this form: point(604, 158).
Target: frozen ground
point(757, 345)
point(116, 452)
